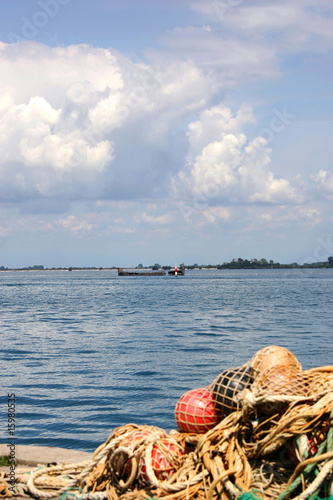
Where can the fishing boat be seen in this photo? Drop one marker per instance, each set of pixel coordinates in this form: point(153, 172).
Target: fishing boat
point(180, 271)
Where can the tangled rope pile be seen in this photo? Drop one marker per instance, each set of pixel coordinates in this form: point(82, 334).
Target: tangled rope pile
point(276, 444)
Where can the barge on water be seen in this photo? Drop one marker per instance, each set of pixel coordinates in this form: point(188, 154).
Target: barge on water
point(177, 271)
point(140, 272)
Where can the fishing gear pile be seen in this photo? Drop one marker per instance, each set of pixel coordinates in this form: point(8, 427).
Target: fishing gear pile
point(260, 431)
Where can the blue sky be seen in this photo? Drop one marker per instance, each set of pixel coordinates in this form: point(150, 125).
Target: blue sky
point(154, 131)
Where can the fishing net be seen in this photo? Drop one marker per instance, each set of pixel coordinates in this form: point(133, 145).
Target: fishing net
point(260, 431)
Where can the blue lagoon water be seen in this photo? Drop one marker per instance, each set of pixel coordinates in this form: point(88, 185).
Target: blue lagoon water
point(88, 351)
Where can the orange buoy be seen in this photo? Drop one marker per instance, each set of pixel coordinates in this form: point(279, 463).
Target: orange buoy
point(195, 411)
point(282, 379)
point(273, 356)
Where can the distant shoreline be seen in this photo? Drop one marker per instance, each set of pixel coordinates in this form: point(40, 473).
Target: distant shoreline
point(210, 267)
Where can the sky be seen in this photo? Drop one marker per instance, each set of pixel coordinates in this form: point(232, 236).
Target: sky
point(165, 131)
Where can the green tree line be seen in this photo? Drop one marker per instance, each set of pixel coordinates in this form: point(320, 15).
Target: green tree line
point(264, 264)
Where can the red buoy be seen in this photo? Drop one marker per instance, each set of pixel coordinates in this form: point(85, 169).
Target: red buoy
point(134, 441)
point(165, 456)
point(195, 411)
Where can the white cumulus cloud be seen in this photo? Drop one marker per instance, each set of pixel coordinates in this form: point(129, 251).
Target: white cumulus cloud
point(324, 180)
point(230, 169)
point(81, 122)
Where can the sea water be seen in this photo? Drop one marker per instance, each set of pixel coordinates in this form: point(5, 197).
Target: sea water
point(87, 351)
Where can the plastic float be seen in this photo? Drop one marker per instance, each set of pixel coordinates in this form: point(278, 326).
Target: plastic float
point(196, 411)
point(260, 431)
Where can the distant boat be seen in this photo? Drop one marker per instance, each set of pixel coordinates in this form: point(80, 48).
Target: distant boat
point(180, 270)
point(140, 272)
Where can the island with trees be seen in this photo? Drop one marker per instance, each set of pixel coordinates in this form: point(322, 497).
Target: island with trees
point(264, 264)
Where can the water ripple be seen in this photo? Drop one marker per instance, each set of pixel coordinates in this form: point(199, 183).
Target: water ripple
point(88, 351)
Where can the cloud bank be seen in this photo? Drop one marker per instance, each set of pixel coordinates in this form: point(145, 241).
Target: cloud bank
point(143, 143)
point(106, 129)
